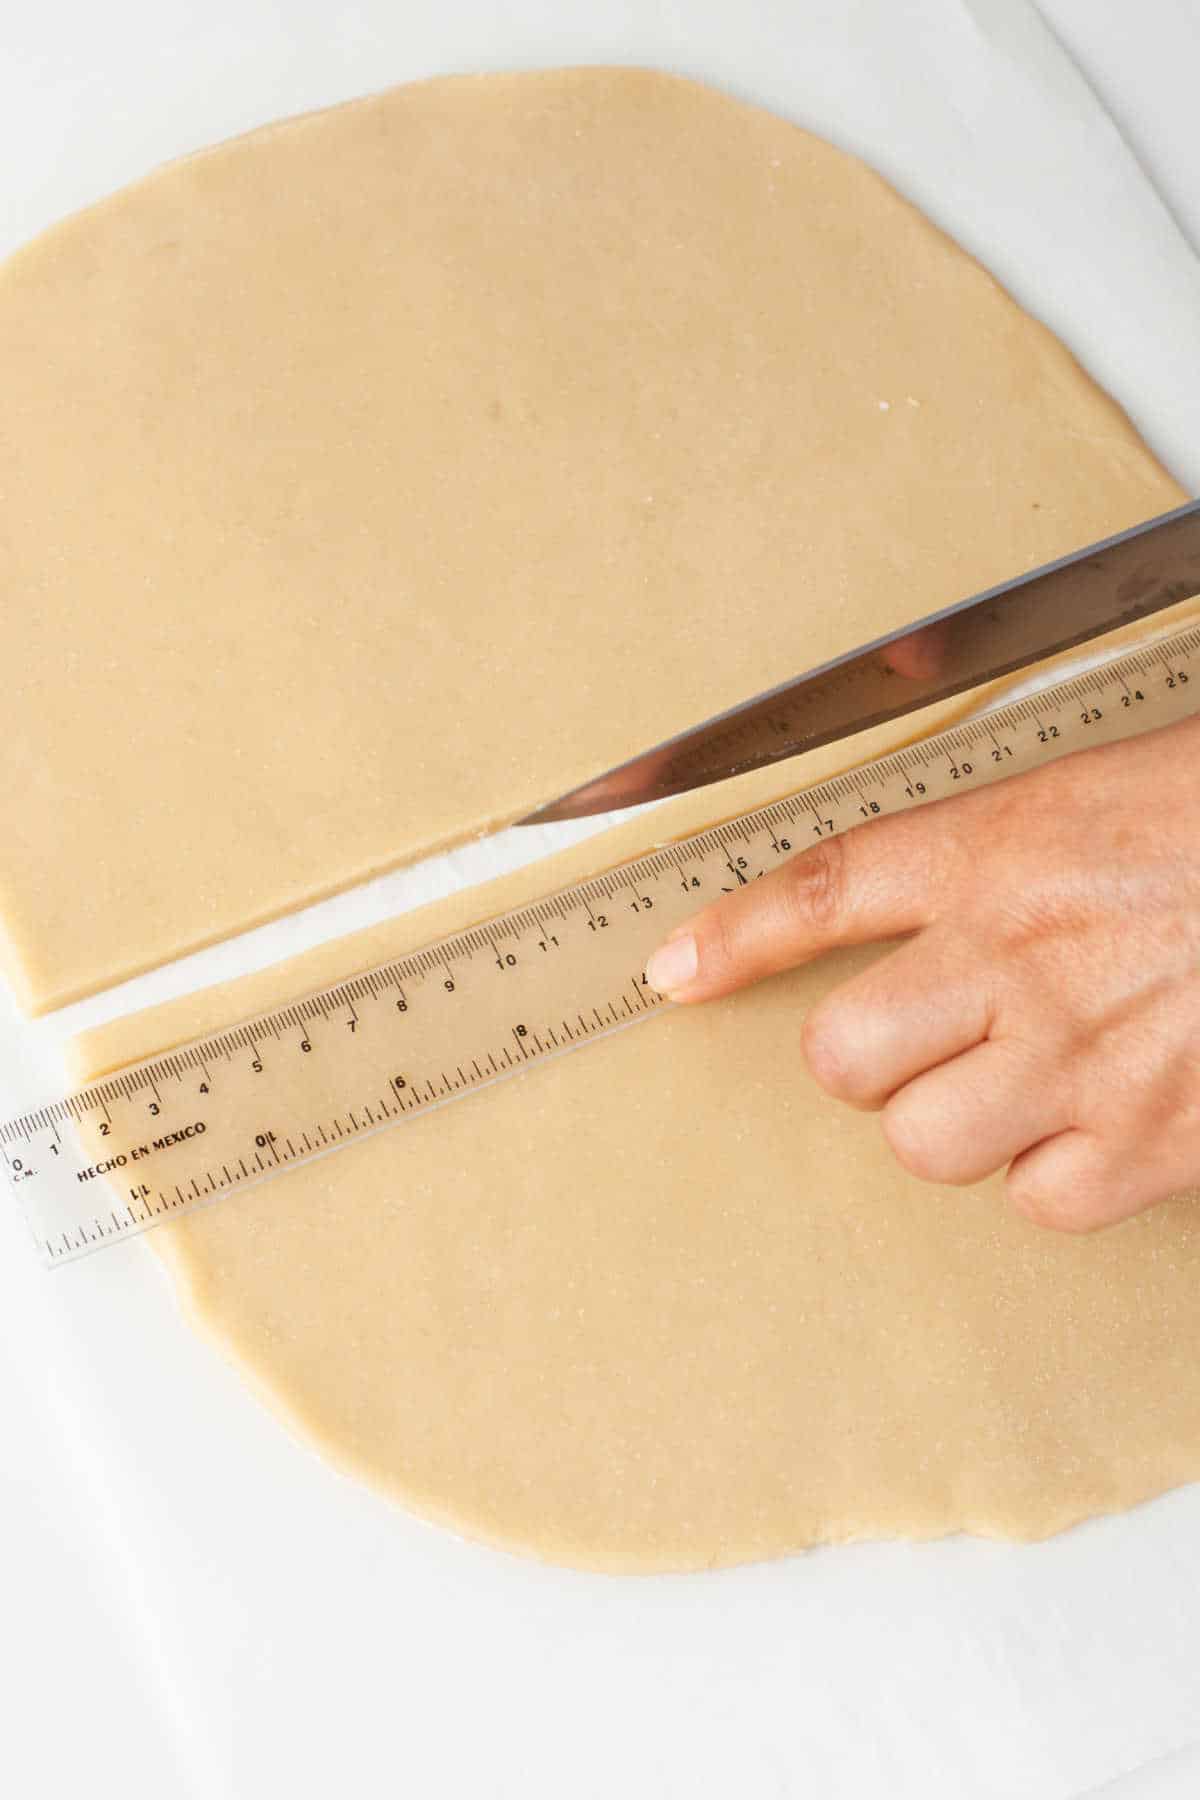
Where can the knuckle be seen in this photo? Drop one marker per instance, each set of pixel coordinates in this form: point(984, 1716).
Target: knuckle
point(1159, 1104)
point(816, 884)
point(916, 1142)
point(830, 1040)
point(1071, 1208)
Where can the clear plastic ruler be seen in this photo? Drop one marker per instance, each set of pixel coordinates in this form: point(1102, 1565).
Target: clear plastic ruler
point(393, 1043)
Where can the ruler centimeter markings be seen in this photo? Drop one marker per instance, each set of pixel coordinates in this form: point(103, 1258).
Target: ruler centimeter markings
point(327, 1069)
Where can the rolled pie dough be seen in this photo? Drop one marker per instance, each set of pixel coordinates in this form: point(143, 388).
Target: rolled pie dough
point(598, 400)
point(663, 1305)
point(370, 478)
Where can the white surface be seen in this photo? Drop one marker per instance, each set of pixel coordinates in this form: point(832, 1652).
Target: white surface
point(199, 1603)
point(1174, 1777)
point(1141, 61)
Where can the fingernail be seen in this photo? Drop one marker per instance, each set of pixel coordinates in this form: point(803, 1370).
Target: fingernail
point(673, 965)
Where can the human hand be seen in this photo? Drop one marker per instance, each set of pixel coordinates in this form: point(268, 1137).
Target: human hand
point(1044, 1012)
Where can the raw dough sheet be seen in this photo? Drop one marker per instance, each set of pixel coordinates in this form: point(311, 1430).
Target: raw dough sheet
point(660, 1304)
point(372, 476)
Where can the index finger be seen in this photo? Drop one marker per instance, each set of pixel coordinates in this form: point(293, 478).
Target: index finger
point(882, 879)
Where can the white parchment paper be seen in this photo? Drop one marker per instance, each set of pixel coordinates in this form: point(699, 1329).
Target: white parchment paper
point(295, 1634)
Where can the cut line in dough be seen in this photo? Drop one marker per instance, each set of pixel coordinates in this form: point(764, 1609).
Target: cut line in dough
point(376, 475)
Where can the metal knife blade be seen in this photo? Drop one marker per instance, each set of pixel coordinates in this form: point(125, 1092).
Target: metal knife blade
point(1052, 608)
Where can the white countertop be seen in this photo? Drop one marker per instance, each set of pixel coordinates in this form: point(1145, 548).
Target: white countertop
point(193, 1604)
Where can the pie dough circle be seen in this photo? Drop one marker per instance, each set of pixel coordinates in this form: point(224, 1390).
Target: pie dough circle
point(661, 1305)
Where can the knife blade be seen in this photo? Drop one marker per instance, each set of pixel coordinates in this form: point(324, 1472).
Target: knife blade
point(993, 633)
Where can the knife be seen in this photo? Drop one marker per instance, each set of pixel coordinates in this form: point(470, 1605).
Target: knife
point(1054, 607)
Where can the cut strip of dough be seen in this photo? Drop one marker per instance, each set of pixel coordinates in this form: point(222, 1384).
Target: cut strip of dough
point(370, 478)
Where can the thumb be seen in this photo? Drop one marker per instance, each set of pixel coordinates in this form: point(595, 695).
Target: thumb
point(879, 880)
